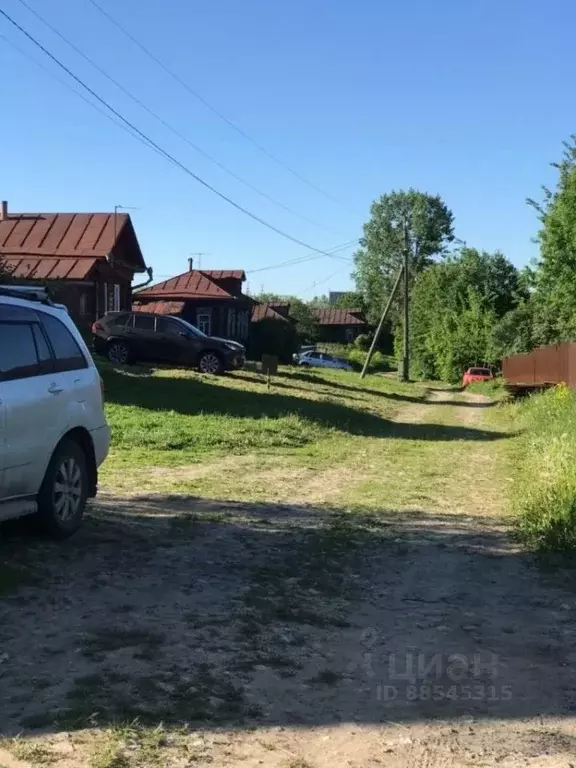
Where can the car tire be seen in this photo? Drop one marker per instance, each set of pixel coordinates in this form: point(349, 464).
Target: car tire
point(64, 491)
point(211, 362)
point(118, 352)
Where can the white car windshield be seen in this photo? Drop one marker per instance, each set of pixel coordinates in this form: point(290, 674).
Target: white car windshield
point(191, 328)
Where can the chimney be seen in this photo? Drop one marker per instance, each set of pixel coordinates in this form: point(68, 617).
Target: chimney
point(190, 264)
point(4, 210)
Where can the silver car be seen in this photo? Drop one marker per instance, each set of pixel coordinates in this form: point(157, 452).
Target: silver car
point(53, 432)
point(322, 360)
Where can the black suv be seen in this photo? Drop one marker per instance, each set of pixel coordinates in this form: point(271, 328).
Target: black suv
point(124, 337)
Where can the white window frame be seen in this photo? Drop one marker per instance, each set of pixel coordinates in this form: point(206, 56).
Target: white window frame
point(204, 322)
point(111, 301)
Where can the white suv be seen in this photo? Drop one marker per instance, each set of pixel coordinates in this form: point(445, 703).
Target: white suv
point(53, 433)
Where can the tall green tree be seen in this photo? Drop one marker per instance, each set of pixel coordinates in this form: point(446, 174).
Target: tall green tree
point(320, 301)
point(303, 315)
point(351, 300)
point(428, 224)
point(555, 278)
point(456, 309)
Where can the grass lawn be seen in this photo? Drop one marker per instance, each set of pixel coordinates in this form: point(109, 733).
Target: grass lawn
point(180, 430)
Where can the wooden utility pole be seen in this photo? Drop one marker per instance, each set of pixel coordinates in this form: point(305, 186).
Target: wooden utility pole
point(406, 270)
point(381, 323)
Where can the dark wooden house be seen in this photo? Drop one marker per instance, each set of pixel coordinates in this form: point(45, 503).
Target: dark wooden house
point(339, 325)
point(88, 260)
point(212, 300)
point(272, 331)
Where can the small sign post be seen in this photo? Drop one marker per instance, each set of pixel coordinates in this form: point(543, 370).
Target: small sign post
point(269, 367)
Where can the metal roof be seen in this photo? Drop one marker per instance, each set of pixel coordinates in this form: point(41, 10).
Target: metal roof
point(189, 285)
point(266, 312)
point(331, 316)
point(60, 234)
point(50, 269)
point(68, 235)
point(160, 307)
point(223, 274)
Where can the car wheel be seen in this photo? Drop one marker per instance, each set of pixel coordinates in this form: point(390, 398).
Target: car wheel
point(211, 363)
point(62, 497)
point(118, 352)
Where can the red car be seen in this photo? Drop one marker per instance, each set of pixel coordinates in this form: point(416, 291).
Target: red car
point(476, 374)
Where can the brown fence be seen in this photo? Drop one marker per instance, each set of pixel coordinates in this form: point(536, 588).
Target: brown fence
point(542, 367)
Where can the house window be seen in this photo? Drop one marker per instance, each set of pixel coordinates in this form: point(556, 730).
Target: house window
point(83, 305)
point(204, 322)
point(111, 297)
point(349, 335)
point(242, 324)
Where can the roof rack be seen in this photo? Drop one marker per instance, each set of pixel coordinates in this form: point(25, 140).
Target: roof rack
point(27, 292)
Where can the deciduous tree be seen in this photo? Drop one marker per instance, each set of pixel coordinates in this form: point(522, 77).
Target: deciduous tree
point(555, 277)
point(428, 224)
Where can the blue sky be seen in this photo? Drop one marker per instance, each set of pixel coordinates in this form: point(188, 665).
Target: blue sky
point(470, 100)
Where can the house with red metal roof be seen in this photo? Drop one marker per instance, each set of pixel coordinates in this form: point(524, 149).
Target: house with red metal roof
point(89, 259)
point(339, 325)
point(210, 299)
point(272, 331)
point(270, 311)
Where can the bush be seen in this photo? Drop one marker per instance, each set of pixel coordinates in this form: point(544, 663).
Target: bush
point(544, 490)
point(363, 341)
point(356, 358)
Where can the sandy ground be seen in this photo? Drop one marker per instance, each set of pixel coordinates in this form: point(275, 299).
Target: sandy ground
point(287, 636)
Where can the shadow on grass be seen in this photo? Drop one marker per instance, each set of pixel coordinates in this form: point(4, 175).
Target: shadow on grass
point(190, 396)
point(200, 614)
point(402, 398)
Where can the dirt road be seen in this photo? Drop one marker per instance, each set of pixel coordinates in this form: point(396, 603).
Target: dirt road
point(296, 636)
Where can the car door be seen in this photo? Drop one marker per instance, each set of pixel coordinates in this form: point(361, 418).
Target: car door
point(312, 358)
point(328, 361)
point(144, 340)
point(28, 386)
point(76, 378)
point(175, 343)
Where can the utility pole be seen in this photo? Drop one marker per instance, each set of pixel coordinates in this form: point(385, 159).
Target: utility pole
point(406, 269)
point(381, 323)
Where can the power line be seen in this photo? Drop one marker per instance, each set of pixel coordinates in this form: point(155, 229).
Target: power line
point(156, 146)
point(63, 82)
point(165, 123)
point(316, 283)
point(331, 251)
point(291, 262)
point(209, 106)
point(301, 259)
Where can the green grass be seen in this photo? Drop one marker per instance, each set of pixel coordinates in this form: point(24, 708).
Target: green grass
point(493, 389)
point(164, 418)
point(544, 486)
